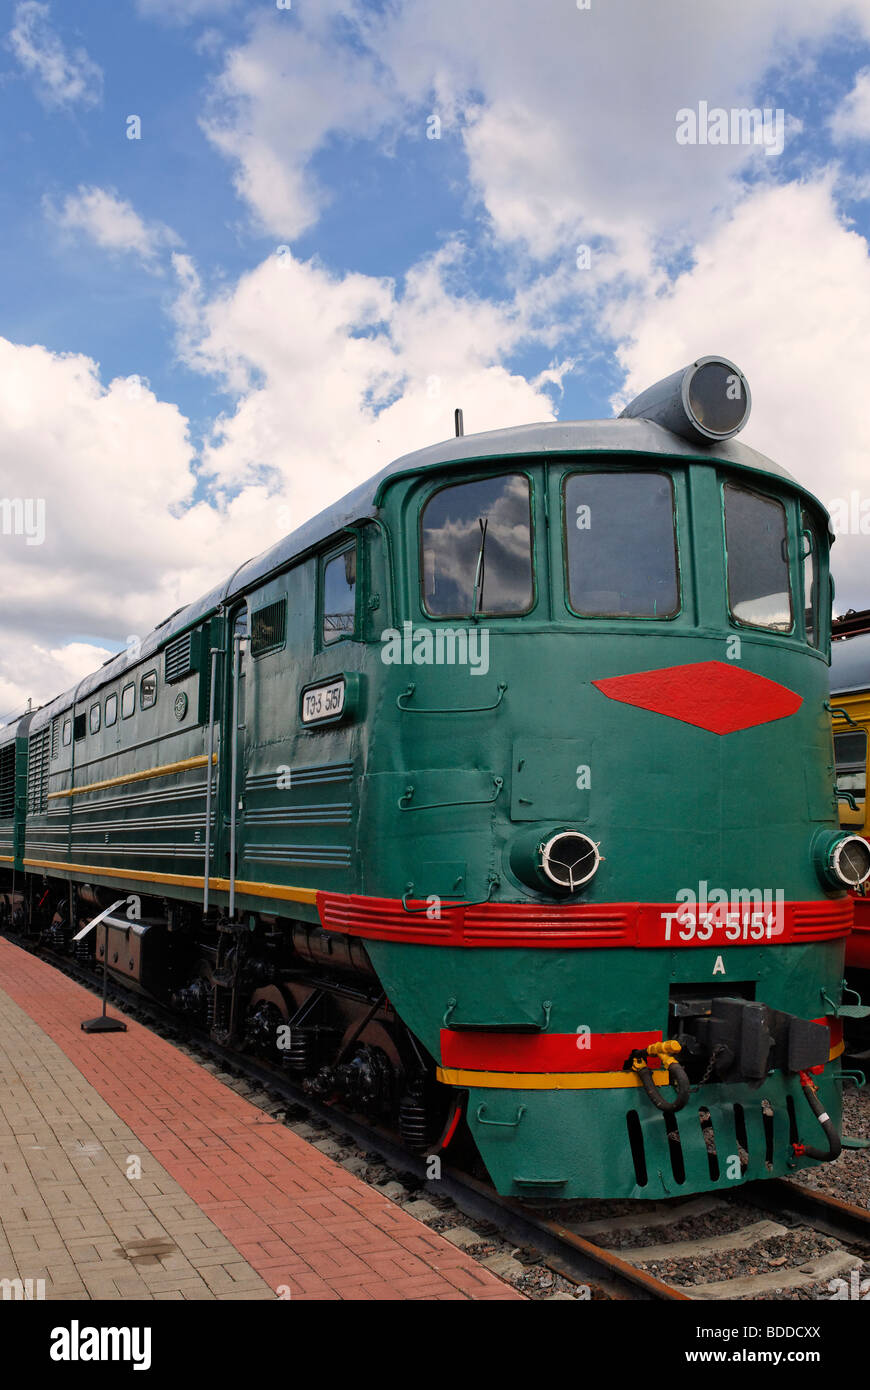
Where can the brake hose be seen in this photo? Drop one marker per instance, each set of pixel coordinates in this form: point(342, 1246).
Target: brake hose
point(835, 1146)
point(676, 1075)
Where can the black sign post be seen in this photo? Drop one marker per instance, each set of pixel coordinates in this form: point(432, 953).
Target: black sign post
point(102, 1023)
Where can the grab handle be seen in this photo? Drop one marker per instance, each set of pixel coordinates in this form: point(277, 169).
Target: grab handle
point(502, 1124)
point(408, 796)
point(454, 709)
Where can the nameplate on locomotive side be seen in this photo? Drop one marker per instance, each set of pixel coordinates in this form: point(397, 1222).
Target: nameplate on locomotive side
point(322, 702)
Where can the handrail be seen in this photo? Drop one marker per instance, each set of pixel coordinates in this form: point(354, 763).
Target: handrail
point(215, 653)
point(408, 793)
point(455, 709)
point(238, 639)
point(494, 883)
point(843, 713)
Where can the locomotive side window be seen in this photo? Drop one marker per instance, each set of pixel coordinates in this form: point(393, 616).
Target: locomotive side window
point(621, 542)
point(477, 548)
point(339, 596)
point(850, 756)
point(148, 690)
point(756, 540)
point(811, 580)
point(128, 701)
point(111, 710)
point(94, 718)
point(67, 732)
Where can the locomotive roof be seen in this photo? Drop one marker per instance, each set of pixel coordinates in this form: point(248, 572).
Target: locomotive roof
point(17, 726)
point(850, 664)
point(623, 437)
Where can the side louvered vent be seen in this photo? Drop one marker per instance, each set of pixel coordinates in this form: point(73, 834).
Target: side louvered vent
point(37, 772)
point(7, 781)
point(177, 659)
point(269, 628)
point(55, 737)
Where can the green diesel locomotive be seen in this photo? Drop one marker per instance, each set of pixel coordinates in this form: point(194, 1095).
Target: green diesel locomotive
point(497, 801)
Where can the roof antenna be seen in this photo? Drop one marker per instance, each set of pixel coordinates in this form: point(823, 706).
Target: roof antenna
point(457, 420)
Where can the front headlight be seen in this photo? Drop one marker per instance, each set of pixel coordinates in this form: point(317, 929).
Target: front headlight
point(561, 859)
point(842, 861)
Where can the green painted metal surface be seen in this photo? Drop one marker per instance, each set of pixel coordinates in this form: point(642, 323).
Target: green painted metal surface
point(570, 1144)
point(425, 785)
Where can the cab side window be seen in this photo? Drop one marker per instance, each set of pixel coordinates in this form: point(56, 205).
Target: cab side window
point(148, 690)
point(338, 596)
point(756, 541)
point(812, 549)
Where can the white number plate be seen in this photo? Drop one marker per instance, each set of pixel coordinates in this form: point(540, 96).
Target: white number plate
point(323, 702)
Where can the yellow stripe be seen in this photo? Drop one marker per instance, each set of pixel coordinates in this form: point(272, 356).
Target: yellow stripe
point(243, 887)
point(557, 1080)
point(200, 761)
point(7, 858)
point(546, 1081)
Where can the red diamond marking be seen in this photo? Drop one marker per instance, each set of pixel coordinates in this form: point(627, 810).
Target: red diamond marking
point(709, 694)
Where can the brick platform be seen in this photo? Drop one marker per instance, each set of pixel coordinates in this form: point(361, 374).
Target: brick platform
point(230, 1204)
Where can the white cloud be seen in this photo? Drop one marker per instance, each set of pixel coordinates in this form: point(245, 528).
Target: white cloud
point(783, 289)
point(125, 543)
point(567, 117)
point(568, 129)
point(851, 120)
point(39, 673)
point(334, 377)
point(62, 77)
point(112, 223)
point(279, 97)
point(337, 375)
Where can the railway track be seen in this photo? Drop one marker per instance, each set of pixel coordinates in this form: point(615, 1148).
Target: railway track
point(767, 1225)
point(649, 1251)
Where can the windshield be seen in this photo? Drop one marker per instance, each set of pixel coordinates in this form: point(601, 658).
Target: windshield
point(477, 548)
point(620, 537)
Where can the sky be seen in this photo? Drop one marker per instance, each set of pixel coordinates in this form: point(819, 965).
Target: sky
point(252, 250)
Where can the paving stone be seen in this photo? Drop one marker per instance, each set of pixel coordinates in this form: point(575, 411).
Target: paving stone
point(234, 1206)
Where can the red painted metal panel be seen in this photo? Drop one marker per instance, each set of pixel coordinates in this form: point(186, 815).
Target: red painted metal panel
point(665, 925)
point(835, 1028)
point(858, 949)
point(712, 695)
point(541, 1052)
